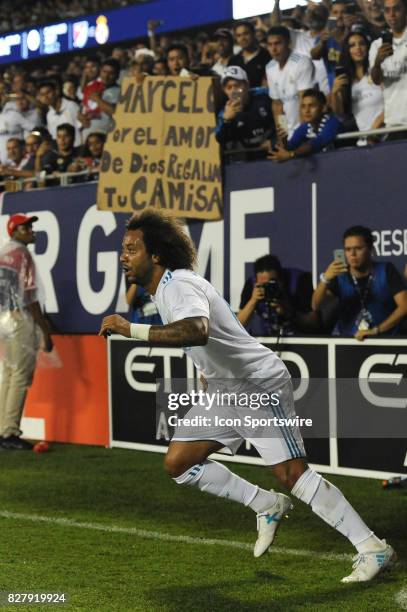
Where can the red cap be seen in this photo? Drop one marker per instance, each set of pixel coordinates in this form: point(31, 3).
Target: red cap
point(18, 219)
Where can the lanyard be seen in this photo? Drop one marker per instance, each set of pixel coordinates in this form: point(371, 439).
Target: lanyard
point(362, 296)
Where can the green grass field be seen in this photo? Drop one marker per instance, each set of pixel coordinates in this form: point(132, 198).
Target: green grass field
point(130, 567)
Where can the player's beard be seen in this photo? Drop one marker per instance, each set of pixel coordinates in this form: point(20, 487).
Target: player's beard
point(142, 277)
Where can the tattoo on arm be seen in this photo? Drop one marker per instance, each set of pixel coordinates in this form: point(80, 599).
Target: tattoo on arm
point(192, 331)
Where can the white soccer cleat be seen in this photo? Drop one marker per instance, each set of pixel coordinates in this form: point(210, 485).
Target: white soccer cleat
point(368, 565)
point(268, 523)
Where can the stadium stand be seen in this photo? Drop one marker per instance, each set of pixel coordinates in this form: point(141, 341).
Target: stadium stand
point(335, 36)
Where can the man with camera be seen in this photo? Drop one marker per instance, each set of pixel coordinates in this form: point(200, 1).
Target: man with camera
point(246, 120)
point(372, 296)
point(388, 63)
point(276, 301)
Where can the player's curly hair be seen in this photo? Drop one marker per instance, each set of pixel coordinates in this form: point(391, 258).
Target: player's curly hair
point(165, 238)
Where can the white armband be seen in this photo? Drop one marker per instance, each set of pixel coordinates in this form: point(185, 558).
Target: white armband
point(139, 331)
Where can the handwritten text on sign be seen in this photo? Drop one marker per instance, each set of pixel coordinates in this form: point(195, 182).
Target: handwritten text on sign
point(162, 151)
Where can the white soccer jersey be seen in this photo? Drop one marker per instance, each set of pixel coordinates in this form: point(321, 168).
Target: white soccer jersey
point(286, 83)
point(302, 43)
point(230, 351)
point(394, 69)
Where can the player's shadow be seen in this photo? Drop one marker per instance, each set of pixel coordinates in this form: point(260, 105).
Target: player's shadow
point(210, 597)
point(207, 598)
point(325, 596)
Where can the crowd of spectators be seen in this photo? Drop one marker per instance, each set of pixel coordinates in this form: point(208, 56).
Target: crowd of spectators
point(291, 83)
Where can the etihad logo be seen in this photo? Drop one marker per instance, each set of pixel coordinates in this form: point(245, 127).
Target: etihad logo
point(139, 367)
point(368, 380)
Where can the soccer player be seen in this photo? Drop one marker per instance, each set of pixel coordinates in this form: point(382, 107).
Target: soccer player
point(159, 256)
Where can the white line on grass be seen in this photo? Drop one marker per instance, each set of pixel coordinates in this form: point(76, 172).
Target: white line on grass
point(167, 537)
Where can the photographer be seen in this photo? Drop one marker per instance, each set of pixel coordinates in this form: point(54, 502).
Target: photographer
point(372, 296)
point(277, 301)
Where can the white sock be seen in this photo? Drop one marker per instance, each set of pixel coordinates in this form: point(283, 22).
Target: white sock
point(330, 504)
point(371, 544)
point(215, 478)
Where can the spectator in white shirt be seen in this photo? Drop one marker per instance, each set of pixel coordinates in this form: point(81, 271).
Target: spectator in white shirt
point(315, 18)
point(354, 92)
point(388, 62)
point(23, 118)
point(289, 74)
point(60, 110)
point(16, 157)
point(7, 131)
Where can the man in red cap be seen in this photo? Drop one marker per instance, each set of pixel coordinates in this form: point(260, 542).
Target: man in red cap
point(21, 321)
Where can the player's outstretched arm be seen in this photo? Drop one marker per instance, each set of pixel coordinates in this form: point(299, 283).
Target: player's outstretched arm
point(192, 331)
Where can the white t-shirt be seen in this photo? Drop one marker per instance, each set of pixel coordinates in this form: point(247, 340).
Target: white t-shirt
point(230, 351)
point(7, 130)
point(26, 121)
point(394, 69)
point(285, 84)
point(68, 113)
point(367, 102)
point(303, 42)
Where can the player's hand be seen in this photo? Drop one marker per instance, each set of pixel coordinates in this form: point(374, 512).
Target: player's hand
point(115, 324)
point(335, 269)
point(384, 51)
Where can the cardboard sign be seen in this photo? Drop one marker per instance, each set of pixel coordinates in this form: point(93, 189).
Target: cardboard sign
point(162, 152)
